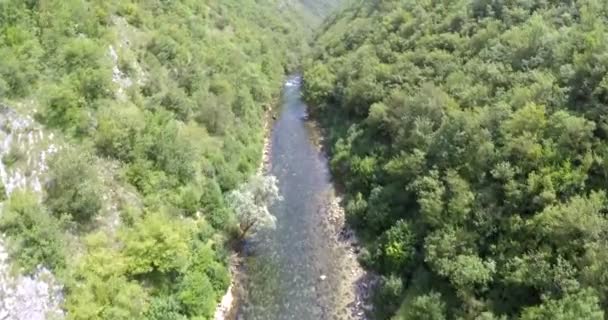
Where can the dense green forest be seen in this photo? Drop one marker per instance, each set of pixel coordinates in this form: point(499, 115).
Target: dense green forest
point(159, 107)
point(471, 138)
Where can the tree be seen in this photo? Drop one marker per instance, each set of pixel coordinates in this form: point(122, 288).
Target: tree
point(319, 83)
point(580, 305)
point(251, 203)
point(118, 130)
point(173, 106)
point(426, 307)
point(431, 193)
point(482, 124)
point(164, 309)
point(158, 243)
point(397, 248)
point(99, 287)
point(197, 296)
point(386, 298)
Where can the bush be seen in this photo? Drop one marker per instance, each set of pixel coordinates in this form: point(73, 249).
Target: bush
point(164, 308)
point(18, 75)
point(165, 145)
point(99, 288)
point(35, 237)
point(205, 259)
point(2, 192)
point(197, 296)
point(213, 206)
point(397, 250)
point(14, 155)
point(426, 307)
point(65, 109)
point(388, 296)
point(74, 187)
point(157, 243)
point(118, 130)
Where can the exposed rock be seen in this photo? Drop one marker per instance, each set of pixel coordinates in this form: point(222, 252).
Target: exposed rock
point(225, 306)
point(38, 296)
point(119, 77)
point(359, 283)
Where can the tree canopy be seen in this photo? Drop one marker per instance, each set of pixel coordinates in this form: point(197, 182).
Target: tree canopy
point(470, 136)
point(159, 107)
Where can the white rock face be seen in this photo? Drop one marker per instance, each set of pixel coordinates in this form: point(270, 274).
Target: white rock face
point(36, 297)
point(28, 136)
point(223, 309)
point(118, 77)
point(28, 298)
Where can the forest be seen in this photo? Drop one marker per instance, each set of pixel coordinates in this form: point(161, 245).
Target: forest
point(471, 139)
point(157, 108)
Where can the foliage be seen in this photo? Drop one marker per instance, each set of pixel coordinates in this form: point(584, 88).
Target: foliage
point(426, 307)
point(164, 309)
point(99, 287)
point(161, 105)
point(471, 140)
point(74, 186)
point(2, 192)
point(14, 155)
point(35, 236)
point(251, 203)
point(582, 305)
point(158, 243)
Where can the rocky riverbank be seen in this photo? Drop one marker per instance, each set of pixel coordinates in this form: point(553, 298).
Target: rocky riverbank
point(357, 284)
point(227, 307)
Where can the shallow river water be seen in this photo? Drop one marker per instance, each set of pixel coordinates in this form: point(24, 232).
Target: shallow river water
point(301, 270)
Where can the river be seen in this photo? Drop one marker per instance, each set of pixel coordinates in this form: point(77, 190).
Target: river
point(304, 269)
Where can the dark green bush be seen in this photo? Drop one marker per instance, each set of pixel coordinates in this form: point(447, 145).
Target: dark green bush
point(74, 187)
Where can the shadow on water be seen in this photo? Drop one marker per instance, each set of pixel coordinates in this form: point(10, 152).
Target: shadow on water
point(293, 272)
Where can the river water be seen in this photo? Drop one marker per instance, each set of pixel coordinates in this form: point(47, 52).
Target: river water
point(301, 270)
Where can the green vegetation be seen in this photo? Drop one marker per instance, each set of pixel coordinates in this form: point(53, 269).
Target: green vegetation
point(470, 136)
point(2, 191)
point(13, 156)
point(161, 105)
point(35, 236)
point(251, 203)
point(73, 188)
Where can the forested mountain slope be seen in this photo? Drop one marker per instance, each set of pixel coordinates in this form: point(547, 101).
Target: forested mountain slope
point(314, 11)
point(123, 123)
point(471, 137)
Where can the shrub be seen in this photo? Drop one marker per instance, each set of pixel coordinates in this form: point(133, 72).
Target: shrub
point(164, 308)
point(99, 288)
point(157, 243)
point(14, 155)
point(2, 192)
point(74, 187)
point(118, 130)
point(64, 108)
point(35, 237)
point(388, 296)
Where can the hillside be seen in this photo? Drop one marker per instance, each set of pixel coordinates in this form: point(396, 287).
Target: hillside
point(122, 125)
point(470, 137)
